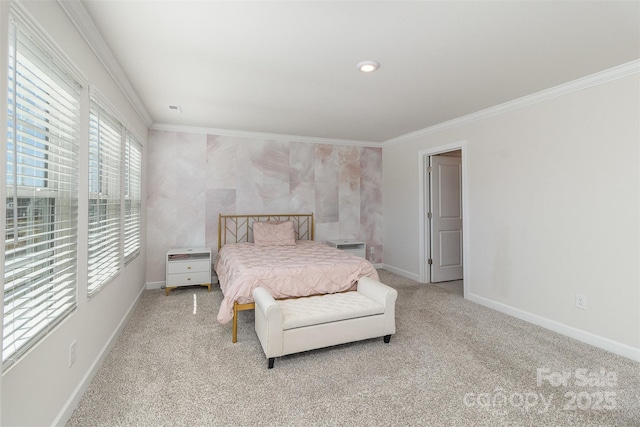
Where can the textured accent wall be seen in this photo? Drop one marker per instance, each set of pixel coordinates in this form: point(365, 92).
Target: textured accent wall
point(194, 177)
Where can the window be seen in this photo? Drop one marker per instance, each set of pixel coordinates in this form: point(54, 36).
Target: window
point(105, 171)
point(132, 197)
point(41, 180)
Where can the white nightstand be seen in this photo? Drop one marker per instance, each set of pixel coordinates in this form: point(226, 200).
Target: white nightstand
point(187, 267)
point(356, 247)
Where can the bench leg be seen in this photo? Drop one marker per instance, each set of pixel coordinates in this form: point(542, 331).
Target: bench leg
point(387, 338)
point(271, 359)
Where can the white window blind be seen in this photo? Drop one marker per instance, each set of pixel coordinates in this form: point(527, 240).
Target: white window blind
point(40, 277)
point(105, 166)
point(132, 197)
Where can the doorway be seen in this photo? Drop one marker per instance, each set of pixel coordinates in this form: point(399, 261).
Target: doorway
point(444, 216)
point(443, 245)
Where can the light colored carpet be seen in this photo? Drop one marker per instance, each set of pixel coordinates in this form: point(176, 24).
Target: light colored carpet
point(451, 363)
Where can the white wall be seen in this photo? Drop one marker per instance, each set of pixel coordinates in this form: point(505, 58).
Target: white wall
point(552, 210)
point(41, 389)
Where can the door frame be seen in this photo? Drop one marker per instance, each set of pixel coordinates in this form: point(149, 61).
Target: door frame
point(424, 234)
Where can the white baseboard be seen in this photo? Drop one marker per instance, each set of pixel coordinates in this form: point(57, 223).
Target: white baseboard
point(155, 285)
point(401, 272)
point(74, 399)
point(569, 331)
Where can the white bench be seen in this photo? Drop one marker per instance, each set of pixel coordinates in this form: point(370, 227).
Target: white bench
point(301, 324)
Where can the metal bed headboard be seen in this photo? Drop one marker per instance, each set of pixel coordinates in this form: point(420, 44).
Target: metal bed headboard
point(239, 228)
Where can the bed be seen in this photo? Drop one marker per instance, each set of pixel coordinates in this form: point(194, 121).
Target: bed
point(277, 252)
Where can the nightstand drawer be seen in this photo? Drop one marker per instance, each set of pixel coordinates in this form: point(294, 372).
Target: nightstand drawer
point(358, 252)
point(194, 278)
point(177, 267)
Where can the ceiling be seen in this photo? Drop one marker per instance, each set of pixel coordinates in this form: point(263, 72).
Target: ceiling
point(290, 67)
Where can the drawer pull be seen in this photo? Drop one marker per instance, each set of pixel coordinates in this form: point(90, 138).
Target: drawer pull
point(188, 278)
point(189, 268)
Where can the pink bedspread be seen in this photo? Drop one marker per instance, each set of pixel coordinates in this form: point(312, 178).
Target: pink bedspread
point(307, 268)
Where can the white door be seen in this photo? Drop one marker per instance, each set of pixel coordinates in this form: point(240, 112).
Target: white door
point(446, 218)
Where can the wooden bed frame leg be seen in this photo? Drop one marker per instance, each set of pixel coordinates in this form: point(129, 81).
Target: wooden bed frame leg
point(387, 338)
point(271, 359)
point(234, 335)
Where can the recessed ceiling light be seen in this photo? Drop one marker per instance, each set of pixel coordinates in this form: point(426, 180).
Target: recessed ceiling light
point(368, 66)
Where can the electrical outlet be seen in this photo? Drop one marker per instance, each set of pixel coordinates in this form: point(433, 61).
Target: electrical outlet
point(581, 301)
point(372, 250)
point(72, 353)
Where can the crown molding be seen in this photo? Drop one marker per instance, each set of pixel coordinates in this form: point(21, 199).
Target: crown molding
point(80, 18)
point(166, 127)
point(614, 73)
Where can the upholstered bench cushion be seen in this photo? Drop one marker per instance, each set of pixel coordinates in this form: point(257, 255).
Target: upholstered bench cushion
point(320, 309)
